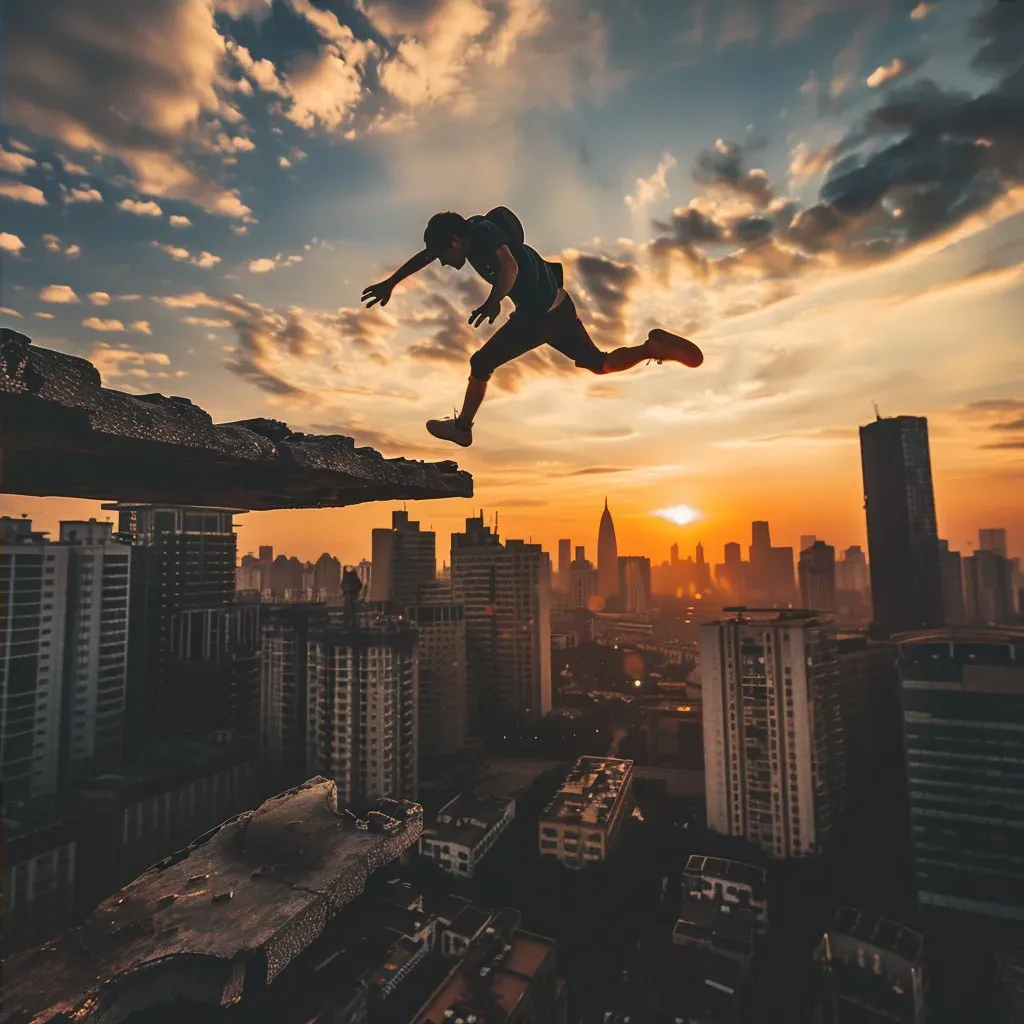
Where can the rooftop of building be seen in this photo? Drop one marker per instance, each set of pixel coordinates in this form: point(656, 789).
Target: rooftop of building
point(149, 448)
point(590, 791)
point(996, 635)
point(242, 901)
point(879, 932)
point(492, 977)
point(772, 615)
point(169, 763)
point(735, 871)
point(731, 927)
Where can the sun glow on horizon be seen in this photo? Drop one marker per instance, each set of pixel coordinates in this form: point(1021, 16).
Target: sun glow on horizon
point(681, 515)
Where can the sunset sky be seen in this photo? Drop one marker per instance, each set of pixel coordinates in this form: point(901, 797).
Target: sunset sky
point(827, 195)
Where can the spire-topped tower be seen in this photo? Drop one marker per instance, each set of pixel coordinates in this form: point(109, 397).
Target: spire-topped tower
point(607, 556)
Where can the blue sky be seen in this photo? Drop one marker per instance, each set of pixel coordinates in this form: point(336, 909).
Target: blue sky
point(826, 194)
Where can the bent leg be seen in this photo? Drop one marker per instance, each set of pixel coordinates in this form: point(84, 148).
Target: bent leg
point(512, 339)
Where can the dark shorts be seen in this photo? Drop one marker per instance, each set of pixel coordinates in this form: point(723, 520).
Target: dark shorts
point(560, 328)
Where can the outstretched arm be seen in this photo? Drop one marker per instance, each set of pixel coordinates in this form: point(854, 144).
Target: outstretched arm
point(508, 271)
point(381, 292)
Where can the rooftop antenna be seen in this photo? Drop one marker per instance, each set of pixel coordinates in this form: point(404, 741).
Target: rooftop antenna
point(878, 415)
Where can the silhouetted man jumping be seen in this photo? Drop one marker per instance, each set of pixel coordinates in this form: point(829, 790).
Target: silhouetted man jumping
point(544, 312)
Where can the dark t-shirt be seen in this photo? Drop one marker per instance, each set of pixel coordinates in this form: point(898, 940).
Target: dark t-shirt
point(535, 286)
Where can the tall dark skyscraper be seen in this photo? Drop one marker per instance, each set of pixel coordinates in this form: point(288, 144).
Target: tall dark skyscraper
point(951, 567)
point(906, 580)
point(404, 559)
point(607, 556)
point(963, 713)
point(193, 655)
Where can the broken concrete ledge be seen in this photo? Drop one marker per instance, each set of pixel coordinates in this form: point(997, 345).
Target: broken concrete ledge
point(62, 434)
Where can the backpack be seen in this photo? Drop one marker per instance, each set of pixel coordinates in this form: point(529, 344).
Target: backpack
point(512, 226)
point(505, 219)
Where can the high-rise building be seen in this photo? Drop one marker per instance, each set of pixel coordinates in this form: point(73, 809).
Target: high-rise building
point(988, 588)
point(673, 556)
point(635, 583)
point(774, 760)
point(906, 581)
point(404, 559)
point(506, 590)
point(361, 724)
point(951, 569)
point(327, 577)
point(993, 540)
point(33, 606)
point(440, 624)
point(607, 556)
point(183, 559)
point(95, 649)
point(583, 581)
point(364, 570)
point(870, 969)
point(771, 573)
point(852, 571)
point(64, 612)
point(806, 540)
point(963, 713)
point(818, 576)
point(564, 559)
point(286, 632)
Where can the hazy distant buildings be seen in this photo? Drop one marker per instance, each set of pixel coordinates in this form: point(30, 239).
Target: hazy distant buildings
point(963, 709)
point(806, 540)
point(564, 561)
point(993, 540)
point(361, 722)
point(951, 571)
point(818, 576)
point(870, 969)
point(404, 559)
point(731, 575)
point(988, 588)
point(506, 591)
point(774, 758)
point(634, 584)
point(852, 571)
point(607, 556)
point(906, 581)
point(583, 581)
point(771, 574)
point(585, 818)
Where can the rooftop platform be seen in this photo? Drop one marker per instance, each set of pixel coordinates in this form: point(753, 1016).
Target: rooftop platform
point(591, 792)
point(237, 906)
point(65, 435)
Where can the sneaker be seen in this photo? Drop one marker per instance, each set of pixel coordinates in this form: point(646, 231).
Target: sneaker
point(450, 429)
point(661, 346)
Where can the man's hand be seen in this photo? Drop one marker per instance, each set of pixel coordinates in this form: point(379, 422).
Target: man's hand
point(380, 292)
point(488, 311)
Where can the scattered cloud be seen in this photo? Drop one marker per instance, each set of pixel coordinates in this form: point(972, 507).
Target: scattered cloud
point(204, 260)
point(15, 163)
point(44, 316)
point(140, 327)
point(94, 323)
point(99, 298)
point(129, 368)
point(921, 11)
point(81, 194)
point(58, 293)
point(22, 193)
point(886, 74)
point(7, 311)
point(652, 188)
point(142, 208)
point(176, 220)
point(206, 321)
point(265, 264)
point(54, 244)
point(11, 243)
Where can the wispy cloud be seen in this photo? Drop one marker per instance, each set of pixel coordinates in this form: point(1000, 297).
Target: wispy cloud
point(22, 193)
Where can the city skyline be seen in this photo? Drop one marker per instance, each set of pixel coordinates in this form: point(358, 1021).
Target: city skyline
point(801, 334)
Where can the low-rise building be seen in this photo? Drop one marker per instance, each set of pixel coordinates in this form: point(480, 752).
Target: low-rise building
point(727, 881)
point(504, 976)
point(39, 861)
point(728, 930)
point(870, 969)
point(585, 818)
point(466, 828)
